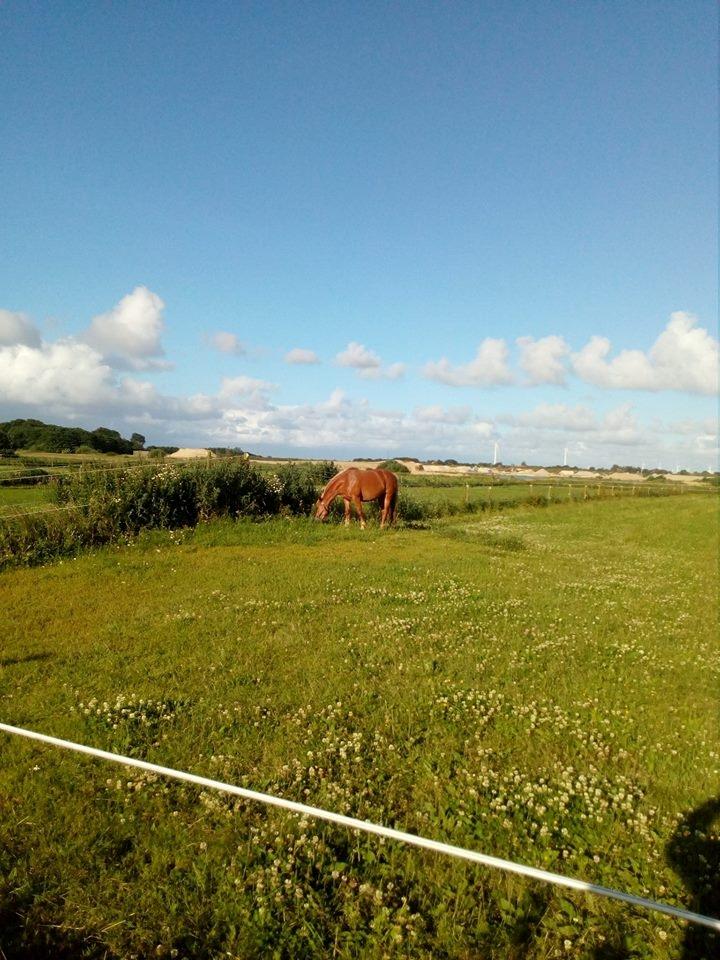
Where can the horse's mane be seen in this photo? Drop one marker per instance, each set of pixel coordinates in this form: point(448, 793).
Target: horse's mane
point(331, 484)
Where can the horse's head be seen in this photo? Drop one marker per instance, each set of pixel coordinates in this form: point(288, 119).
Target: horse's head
point(321, 510)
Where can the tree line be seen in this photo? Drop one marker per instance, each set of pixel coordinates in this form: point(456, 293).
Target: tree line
point(51, 438)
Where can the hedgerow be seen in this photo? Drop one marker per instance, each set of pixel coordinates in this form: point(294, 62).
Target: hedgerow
point(100, 507)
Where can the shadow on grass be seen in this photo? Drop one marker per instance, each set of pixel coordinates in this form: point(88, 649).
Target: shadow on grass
point(12, 661)
point(26, 936)
point(694, 853)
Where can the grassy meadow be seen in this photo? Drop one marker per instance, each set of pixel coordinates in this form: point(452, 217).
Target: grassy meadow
point(541, 685)
point(16, 499)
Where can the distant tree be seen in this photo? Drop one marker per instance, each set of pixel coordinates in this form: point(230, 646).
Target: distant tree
point(50, 437)
point(109, 441)
point(7, 446)
point(138, 441)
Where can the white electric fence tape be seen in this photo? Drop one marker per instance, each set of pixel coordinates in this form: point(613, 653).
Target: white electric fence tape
point(377, 829)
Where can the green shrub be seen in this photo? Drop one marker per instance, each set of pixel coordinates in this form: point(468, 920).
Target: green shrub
point(171, 495)
point(411, 510)
point(324, 471)
point(297, 487)
point(104, 506)
point(393, 465)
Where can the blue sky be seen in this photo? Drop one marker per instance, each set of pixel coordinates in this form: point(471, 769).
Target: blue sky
point(406, 190)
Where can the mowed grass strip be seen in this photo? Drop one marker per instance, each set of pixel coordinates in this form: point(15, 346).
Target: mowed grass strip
point(540, 685)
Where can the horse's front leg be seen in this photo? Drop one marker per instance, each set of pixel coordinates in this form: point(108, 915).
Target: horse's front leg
point(347, 513)
point(358, 507)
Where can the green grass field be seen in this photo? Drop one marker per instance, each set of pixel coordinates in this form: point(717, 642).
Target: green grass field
point(540, 685)
point(19, 499)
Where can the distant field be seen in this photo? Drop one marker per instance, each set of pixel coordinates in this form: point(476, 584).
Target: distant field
point(17, 496)
point(16, 499)
point(478, 492)
point(541, 685)
point(61, 462)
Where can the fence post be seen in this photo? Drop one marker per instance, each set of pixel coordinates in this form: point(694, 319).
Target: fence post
point(549, 490)
point(569, 491)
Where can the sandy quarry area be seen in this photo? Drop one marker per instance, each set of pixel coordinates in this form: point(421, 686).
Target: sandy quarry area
point(525, 473)
point(434, 469)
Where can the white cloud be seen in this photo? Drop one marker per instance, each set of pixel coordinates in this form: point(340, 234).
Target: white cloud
point(299, 355)
point(228, 343)
point(555, 416)
point(341, 422)
point(438, 414)
point(708, 425)
point(542, 360)
point(129, 334)
point(684, 357)
point(63, 374)
point(17, 328)
point(138, 398)
point(488, 368)
point(243, 386)
point(368, 364)
point(72, 379)
point(392, 372)
point(620, 425)
point(358, 356)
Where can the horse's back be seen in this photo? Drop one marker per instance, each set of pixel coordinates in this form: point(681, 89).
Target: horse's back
point(376, 483)
point(369, 484)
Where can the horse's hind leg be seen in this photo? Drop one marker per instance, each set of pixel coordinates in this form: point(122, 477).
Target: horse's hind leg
point(386, 515)
point(358, 507)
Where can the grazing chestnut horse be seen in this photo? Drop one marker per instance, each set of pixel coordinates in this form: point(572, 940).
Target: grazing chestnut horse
point(358, 487)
